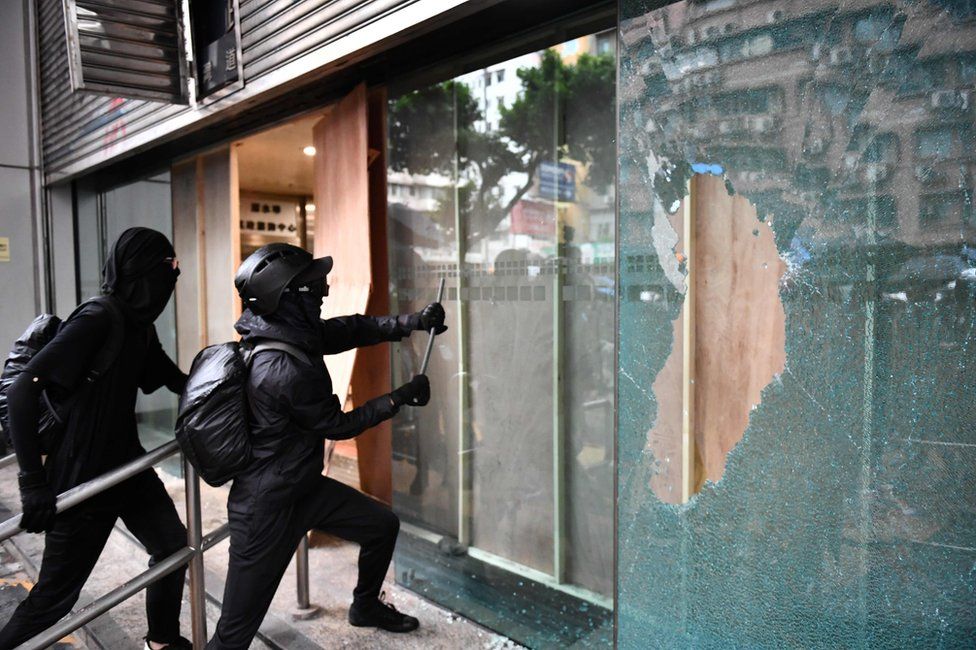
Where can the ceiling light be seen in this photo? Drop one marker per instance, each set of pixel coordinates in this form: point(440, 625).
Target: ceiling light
point(309, 150)
point(309, 207)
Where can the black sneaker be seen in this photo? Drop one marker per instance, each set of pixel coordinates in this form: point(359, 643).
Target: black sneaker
point(382, 615)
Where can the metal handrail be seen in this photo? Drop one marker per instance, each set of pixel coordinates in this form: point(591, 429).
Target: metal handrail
point(99, 484)
point(190, 555)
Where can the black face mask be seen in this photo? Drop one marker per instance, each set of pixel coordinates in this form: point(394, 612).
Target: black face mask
point(139, 272)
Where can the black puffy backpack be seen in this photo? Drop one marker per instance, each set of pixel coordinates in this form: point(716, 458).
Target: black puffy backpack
point(41, 331)
point(212, 426)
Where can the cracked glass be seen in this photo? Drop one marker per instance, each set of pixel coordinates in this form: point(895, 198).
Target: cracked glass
point(796, 467)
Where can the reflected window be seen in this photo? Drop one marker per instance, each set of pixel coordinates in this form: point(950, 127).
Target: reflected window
point(935, 143)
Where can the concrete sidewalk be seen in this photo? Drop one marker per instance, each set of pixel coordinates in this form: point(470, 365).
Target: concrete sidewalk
point(333, 575)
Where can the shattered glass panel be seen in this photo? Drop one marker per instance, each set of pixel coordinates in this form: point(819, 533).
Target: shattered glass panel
point(845, 513)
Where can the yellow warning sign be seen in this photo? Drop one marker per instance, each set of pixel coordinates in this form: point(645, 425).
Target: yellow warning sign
point(4, 249)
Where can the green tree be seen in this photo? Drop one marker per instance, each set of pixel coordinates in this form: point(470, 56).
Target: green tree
point(562, 111)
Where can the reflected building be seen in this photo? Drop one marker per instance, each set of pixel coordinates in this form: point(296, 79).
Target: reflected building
point(844, 514)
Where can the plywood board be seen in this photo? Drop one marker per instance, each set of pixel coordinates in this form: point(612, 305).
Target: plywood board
point(740, 325)
point(371, 373)
point(738, 343)
point(342, 218)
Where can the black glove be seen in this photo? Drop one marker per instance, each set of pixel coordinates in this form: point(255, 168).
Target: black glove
point(415, 392)
point(432, 316)
point(39, 502)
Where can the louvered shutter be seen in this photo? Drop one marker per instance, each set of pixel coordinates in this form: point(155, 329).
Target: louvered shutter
point(127, 48)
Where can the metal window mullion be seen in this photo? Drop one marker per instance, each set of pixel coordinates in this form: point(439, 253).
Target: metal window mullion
point(865, 532)
point(559, 550)
point(558, 424)
point(464, 456)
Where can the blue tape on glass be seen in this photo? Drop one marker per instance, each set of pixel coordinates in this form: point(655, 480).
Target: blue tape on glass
point(707, 168)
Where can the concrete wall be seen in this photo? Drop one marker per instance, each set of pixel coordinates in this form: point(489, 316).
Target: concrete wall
point(19, 288)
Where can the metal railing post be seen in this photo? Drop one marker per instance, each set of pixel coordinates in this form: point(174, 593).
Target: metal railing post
point(305, 609)
point(194, 540)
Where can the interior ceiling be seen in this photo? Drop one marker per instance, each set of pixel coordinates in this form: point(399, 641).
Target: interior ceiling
point(272, 161)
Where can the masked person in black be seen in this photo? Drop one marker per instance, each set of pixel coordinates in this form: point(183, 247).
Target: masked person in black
point(99, 435)
point(292, 408)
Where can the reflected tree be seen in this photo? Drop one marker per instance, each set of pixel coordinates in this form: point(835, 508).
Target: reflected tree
point(531, 130)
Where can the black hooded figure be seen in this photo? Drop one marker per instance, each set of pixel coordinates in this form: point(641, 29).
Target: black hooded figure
point(99, 435)
point(292, 408)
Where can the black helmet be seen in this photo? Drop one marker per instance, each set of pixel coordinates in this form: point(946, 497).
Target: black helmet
point(264, 275)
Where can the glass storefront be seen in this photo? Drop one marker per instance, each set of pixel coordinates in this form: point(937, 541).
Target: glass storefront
point(101, 216)
point(501, 181)
point(797, 313)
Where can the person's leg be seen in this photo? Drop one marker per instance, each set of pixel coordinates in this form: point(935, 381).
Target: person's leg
point(261, 546)
point(336, 508)
point(71, 549)
point(149, 514)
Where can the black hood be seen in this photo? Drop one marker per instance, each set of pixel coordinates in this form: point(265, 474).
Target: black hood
point(136, 273)
point(294, 321)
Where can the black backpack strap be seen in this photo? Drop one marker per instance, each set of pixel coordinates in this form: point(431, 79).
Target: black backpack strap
point(271, 344)
point(113, 344)
point(104, 358)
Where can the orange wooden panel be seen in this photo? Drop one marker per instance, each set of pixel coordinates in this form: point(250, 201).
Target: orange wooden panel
point(741, 324)
point(739, 337)
point(342, 217)
point(371, 375)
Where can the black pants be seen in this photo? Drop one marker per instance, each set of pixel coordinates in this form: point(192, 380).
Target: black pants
point(73, 545)
point(262, 544)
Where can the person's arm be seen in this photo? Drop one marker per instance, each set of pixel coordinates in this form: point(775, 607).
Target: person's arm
point(160, 370)
point(23, 399)
point(59, 366)
point(281, 383)
point(347, 332)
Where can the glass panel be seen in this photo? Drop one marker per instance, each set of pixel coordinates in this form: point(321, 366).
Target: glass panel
point(91, 247)
point(587, 215)
point(421, 186)
point(509, 179)
point(102, 217)
point(501, 180)
point(823, 157)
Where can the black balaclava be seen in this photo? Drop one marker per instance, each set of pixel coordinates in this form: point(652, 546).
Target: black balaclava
point(301, 306)
point(138, 274)
point(296, 320)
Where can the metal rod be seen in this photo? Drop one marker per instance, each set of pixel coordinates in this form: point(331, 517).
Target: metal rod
point(430, 341)
point(301, 573)
point(108, 601)
point(7, 461)
point(86, 490)
point(194, 540)
point(215, 537)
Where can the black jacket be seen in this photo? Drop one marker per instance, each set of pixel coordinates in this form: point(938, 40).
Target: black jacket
point(293, 408)
point(100, 433)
